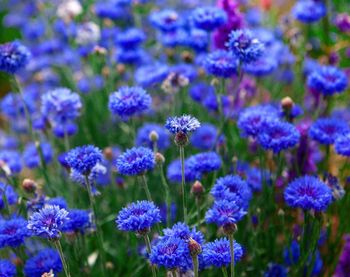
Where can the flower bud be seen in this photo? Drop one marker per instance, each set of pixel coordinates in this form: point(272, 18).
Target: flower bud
point(48, 274)
point(181, 139)
point(29, 185)
point(194, 247)
point(153, 136)
point(287, 103)
point(230, 228)
point(197, 189)
point(108, 153)
point(159, 158)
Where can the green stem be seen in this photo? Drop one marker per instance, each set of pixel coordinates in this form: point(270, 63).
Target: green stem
point(183, 189)
point(198, 206)
point(63, 260)
point(232, 253)
point(145, 186)
point(195, 265)
point(167, 195)
point(148, 246)
point(224, 271)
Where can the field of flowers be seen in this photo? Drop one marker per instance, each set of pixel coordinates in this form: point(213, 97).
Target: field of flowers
point(174, 138)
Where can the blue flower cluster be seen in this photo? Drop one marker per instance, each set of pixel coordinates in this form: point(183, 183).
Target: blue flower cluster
point(13, 57)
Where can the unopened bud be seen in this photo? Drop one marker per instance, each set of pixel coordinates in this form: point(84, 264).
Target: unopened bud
point(194, 247)
point(99, 50)
point(48, 274)
point(197, 189)
point(108, 153)
point(287, 103)
point(230, 228)
point(143, 232)
point(281, 212)
point(153, 136)
point(187, 57)
point(214, 82)
point(159, 158)
point(121, 68)
point(181, 139)
point(29, 185)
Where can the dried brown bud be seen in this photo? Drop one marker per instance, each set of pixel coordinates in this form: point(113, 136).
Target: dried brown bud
point(108, 153)
point(181, 139)
point(230, 228)
point(153, 136)
point(159, 158)
point(194, 247)
point(121, 68)
point(187, 57)
point(29, 185)
point(287, 103)
point(197, 189)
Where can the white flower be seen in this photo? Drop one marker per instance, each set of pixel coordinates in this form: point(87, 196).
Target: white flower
point(69, 8)
point(88, 32)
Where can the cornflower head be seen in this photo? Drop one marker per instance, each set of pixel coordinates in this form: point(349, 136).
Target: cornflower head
point(204, 162)
point(208, 18)
point(342, 145)
point(309, 11)
point(326, 130)
point(48, 222)
point(44, 261)
point(143, 137)
point(10, 194)
point(221, 63)
point(13, 57)
point(7, 269)
point(166, 20)
point(78, 222)
point(181, 127)
point(13, 232)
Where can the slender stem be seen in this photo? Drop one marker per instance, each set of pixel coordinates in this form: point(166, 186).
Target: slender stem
point(198, 205)
point(99, 234)
point(224, 271)
point(66, 141)
point(232, 253)
point(195, 265)
point(63, 260)
point(145, 186)
point(5, 200)
point(183, 184)
point(148, 246)
point(167, 195)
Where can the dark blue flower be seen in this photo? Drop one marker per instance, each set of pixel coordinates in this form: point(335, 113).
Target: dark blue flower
point(46, 260)
point(174, 172)
point(48, 222)
point(245, 46)
point(178, 37)
point(143, 136)
point(326, 130)
point(208, 18)
point(129, 101)
point(10, 195)
point(60, 105)
point(185, 124)
point(169, 252)
point(250, 120)
point(232, 187)
point(200, 91)
point(342, 145)
point(150, 75)
point(225, 212)
point(263, 66)
point(217, 253)
point(7, 269)
point(204, 162)
point(57, 201)
point(308, 192)
point(31, 157)
point(327, 80)
point(309, 11)
point(130, 38)
point(275, 270)
point(12, 159)
point(84, 158)
point(13, 57)
point(135, 161)
point(133, 56)
point(166, 20)
point(198, 40)
point(221, 64)
point(13, 232)
point(110, 10)
point(276, 135)
point(256, 177)
point(205, 137)
point(78, 221)
point(138, 217)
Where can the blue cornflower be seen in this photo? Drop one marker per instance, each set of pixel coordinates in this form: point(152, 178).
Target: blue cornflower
point(275, 270)
point(46, 260)
point(131, 56)
point(208, 18)
point(13, 57)
point(251, 119)
point(308, 192)
point(221, 63)
point(61, 105)
point(79, 221)
point(184, 124)
point(198, 40)
point(256, 177)
point(12, 159)
point(245, 46)
point(205, 137)
point(204, 162)
point(309, 11)
point(166, 20)
point(48, 222)
point(67, 129)
point(13, 232)
point(263, 66)
point(169, 252)
point(10, 195)
point(174, 38)
point(7, 269)
point(149, 75)
point(135, 161)
point(225, 212)
point(200, 91)
point(57, 201)
point(129, 101)
point(183, 231)
point(174, 172)
point(232, 187)
point(130, 38)
point(110, 10)
point(327, 80)
point(138, 217)
point(326, 130)
point(277, 135)
point(342, 145)
point(31, 157)
point(143, 136)
point(217, 253)
point(84, 158)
